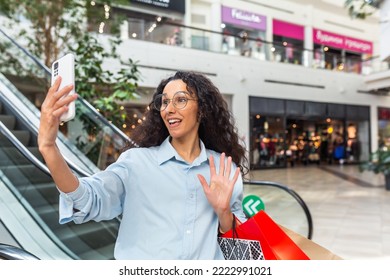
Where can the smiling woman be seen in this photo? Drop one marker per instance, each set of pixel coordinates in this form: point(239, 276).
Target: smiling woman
point(179, 187)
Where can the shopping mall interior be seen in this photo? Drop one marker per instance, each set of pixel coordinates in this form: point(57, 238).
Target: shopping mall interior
point(306, 81)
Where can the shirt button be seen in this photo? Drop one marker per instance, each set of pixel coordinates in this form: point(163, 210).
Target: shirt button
point(188, 231)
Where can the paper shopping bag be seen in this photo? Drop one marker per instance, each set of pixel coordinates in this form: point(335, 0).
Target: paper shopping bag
point(274, 242)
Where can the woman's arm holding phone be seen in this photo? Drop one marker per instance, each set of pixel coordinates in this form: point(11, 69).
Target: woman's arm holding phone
point(53, 107)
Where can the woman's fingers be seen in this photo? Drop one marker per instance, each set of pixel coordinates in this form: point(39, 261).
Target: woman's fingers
point(222, 164)
point(228, 167)
point(212, 166)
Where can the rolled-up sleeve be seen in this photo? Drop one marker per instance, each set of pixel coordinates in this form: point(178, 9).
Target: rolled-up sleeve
point(98, 197)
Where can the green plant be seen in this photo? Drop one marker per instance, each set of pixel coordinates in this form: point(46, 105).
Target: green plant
point(103, 88)
point(379, 162)
point(361, 9)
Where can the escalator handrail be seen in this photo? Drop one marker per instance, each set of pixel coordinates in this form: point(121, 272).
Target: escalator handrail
point(295, 195)
point(10, 252)
point(124, 137)
point(26, 52)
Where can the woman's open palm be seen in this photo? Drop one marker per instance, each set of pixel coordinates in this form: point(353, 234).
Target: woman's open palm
point(219, 190)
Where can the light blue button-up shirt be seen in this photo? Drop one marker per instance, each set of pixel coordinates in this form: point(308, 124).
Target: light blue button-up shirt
point(166, 214)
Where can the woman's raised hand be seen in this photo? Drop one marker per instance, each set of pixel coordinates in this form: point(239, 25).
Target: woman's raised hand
point(219, 190)
point(52, 109)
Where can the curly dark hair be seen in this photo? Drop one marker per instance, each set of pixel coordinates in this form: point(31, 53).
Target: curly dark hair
point(217, 127)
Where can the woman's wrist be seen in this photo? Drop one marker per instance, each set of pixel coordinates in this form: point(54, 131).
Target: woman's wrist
point(226, 222)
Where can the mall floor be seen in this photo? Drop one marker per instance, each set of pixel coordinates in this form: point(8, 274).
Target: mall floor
point(350, 209)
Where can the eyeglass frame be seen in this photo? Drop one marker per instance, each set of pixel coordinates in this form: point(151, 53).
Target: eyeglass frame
point(161, 95)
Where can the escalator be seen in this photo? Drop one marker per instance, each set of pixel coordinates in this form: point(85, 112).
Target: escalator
point(89, 143)
point(30, 184)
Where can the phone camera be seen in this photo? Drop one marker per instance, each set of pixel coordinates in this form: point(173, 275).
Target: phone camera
point(56, 65)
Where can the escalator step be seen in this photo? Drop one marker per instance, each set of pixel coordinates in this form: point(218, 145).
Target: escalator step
point(22, 135)
point(102, 253)
point(25, 175)
point(8, 120)
point(89, 237)
point(11, 156)
point(35, 151)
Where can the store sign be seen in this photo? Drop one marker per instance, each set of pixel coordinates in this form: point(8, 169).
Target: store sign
point(341, 42)
point(173, 5)
point(243, 18)
point(288, 30)
point(383, 114)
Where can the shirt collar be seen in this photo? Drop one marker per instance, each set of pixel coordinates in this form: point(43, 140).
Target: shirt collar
point(167, 151)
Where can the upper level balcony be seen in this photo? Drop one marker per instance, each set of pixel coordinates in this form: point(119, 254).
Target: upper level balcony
point(376, 73)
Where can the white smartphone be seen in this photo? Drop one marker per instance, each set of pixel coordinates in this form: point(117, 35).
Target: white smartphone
point(64, 67)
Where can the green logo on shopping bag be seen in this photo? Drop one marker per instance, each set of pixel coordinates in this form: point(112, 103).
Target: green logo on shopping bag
point(252, 204)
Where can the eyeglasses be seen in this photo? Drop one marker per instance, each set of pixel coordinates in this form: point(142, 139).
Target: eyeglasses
point(179, 100)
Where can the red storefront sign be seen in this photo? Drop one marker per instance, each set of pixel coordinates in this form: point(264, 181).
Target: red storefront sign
point(287, 29)
point(383, 114)
point(341, 42)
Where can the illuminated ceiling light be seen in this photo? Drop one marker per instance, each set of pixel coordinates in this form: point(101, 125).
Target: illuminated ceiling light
point(139, 121)
point(326, 49)
point(124, 125)
point(258, 116)
point(101, 27)
point(93, 3)
point(134, 35)
point(273, 49)
point(284, 43)
point(158, 19)
point(121, 108)
point(328, 120)
point(106, 11)
point(135, 115)
point(223, 25)
point(133, 126)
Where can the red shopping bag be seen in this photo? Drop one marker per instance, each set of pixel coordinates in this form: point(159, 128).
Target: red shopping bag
point(275, 243)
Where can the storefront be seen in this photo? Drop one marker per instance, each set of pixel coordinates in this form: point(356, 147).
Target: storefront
point(290, 132)
point(384, 127)
point(288, 42)
point(157, 21)
point(243, 32)
point(339, 52)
